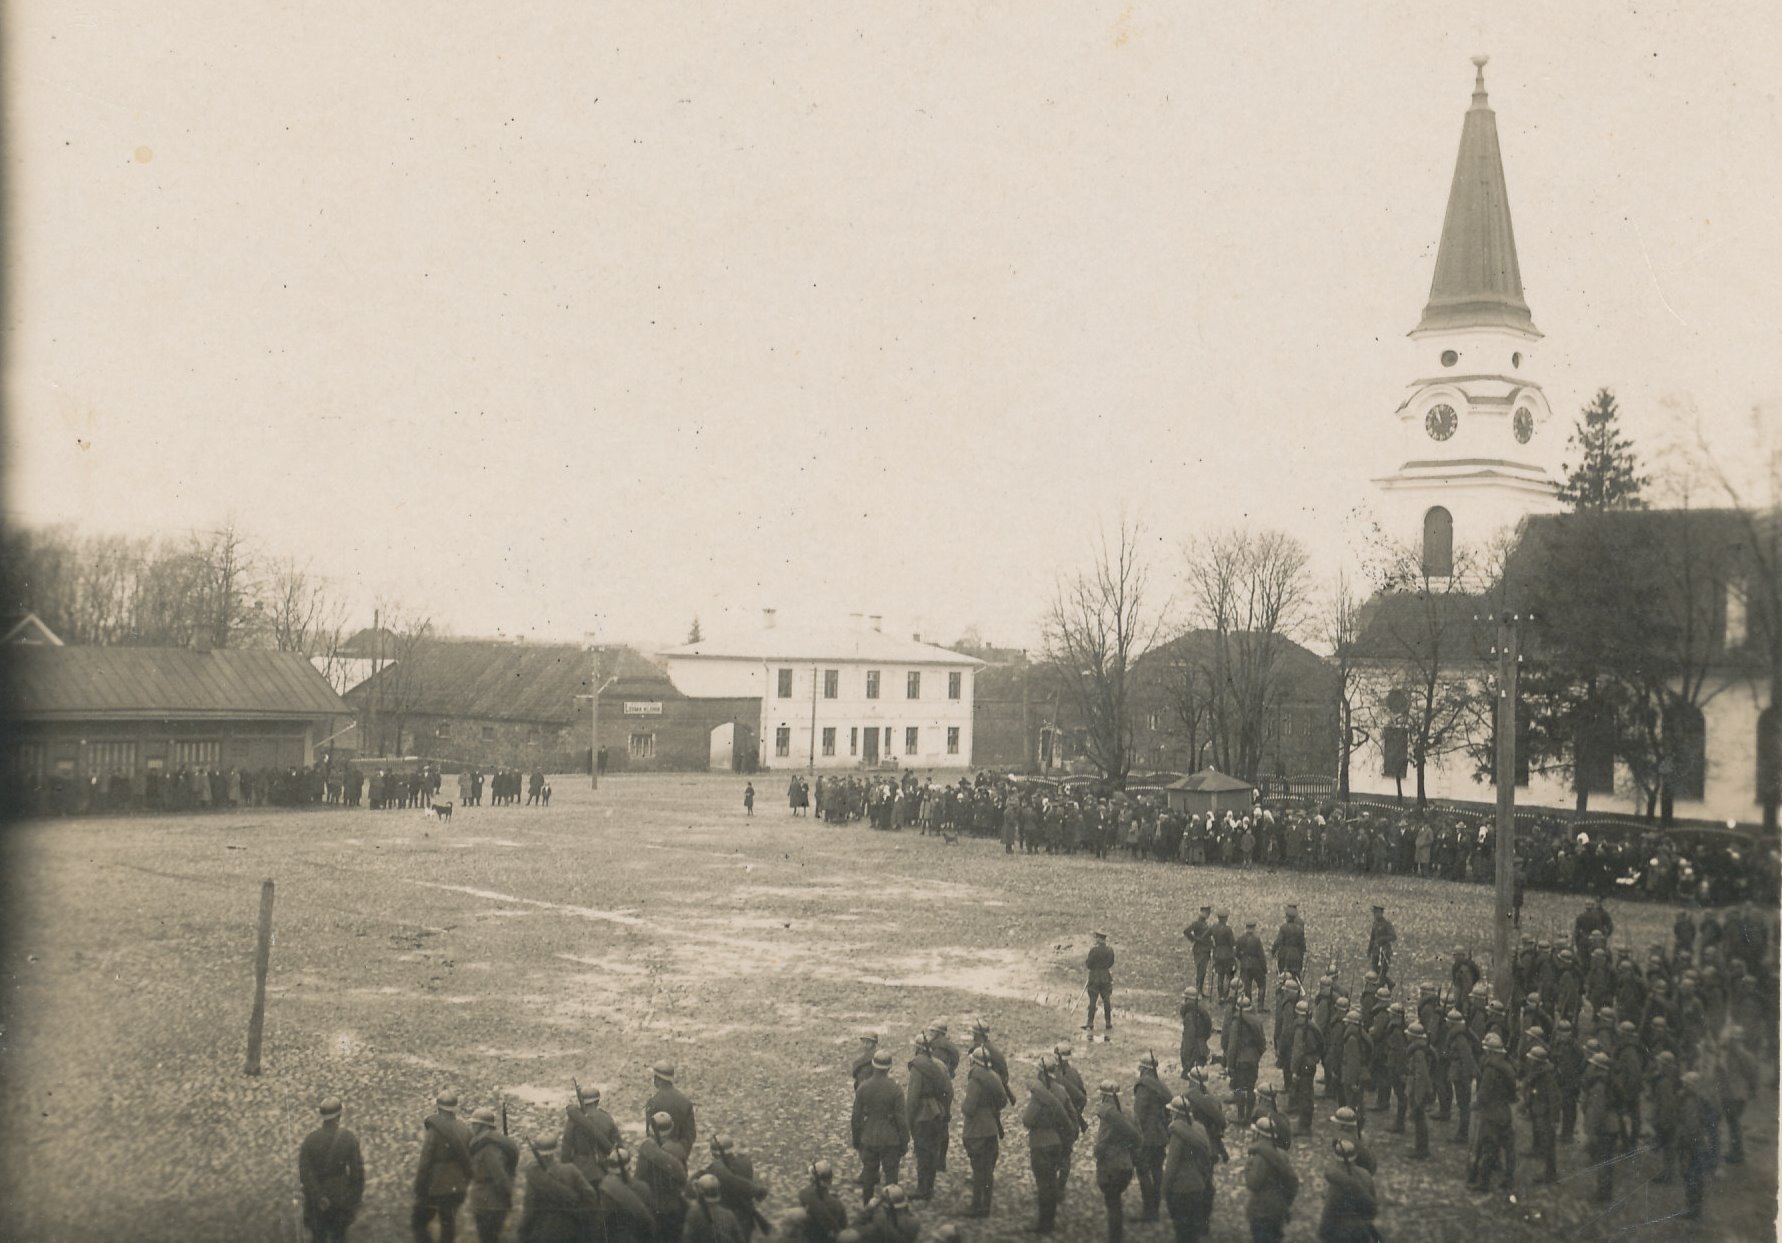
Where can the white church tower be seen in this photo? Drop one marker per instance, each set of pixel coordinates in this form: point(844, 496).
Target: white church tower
point(1476, 430)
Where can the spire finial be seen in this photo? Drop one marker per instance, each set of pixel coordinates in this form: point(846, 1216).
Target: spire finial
point(1479, 81)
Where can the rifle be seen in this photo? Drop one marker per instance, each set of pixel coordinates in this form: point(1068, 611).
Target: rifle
point(535, 1155)
point(504, 1116)
point(578, 1091)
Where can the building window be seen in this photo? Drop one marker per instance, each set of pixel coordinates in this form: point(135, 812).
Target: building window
point(872, 683)
point(854, 740)
point(785, 684)
point(1394, 750)
point(913, 687)
point(832, 683)
point(1151, 722)
point(443, 730)
point(1686, 747)
point(643, 746)
point(1736, 630)
point(952, 740)
point(101, 758)
point(1438, 542)
point(910, 735)
point(829, 740)
point(782, 741)
point(1594, 763)
point(955, 685)
point(488, 733)
point(532, 735)
point(202, 754)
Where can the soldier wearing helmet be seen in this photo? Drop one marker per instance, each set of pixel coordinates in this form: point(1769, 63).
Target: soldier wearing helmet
point(1496, 1095)
point(825, 1214)
point(880, 1126)
point(981, 1132)
point(1350, 1203)
point(1150, 1108)
point(560, 1199)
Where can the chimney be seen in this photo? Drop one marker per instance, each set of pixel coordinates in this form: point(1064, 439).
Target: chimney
point(767, 618)
point(878, 622)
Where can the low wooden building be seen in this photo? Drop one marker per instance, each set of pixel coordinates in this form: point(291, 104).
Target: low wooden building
point(76, 718)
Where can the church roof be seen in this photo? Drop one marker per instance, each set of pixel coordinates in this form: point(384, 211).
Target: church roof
point(1478, 283)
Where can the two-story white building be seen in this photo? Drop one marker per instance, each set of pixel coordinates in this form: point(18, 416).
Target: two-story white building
point(846, 697)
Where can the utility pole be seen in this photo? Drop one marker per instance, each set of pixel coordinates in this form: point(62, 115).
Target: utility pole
point(594, 718)
point(1029, 748)
point(1508, 670)
point(377, 682)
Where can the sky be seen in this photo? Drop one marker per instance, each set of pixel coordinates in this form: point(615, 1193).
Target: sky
point(565, 317)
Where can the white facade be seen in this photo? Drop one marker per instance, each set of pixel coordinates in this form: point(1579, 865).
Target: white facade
point(1477, 437)
point(843, 699)
point(1729, 786)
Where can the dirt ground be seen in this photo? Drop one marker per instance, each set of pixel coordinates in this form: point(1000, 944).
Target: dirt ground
point(518, 948)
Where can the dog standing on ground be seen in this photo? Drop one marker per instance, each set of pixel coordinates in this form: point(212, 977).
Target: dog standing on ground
point(442, 811)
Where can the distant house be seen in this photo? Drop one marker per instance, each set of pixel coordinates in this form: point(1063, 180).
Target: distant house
point(492, 703)
point(72, 713)
point(839, 697)
point(1172, 689)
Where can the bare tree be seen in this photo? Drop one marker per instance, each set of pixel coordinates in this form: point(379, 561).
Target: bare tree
point(1431, 656)
point(1251, 591)
point(226, 565)
point(1342, 623)
point(1100, 622)
point(399, 676)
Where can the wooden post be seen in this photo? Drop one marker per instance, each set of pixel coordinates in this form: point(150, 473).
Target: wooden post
point(262, 960)
point(594, 718)
point(1507, 658)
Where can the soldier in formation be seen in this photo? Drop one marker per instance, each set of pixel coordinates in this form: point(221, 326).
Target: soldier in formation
point(1666, 1052)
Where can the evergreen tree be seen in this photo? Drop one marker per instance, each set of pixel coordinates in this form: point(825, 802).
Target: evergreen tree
point(1607, 475)
point(694, 633)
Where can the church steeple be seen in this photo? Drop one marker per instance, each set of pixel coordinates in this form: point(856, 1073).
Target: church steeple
point(1475, 429)
point(1478, 283)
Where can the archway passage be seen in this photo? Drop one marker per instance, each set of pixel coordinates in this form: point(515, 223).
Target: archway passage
point(723, 748)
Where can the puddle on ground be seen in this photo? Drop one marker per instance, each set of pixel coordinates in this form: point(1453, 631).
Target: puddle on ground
point(1008, 974)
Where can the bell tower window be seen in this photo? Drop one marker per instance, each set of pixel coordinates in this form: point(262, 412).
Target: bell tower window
point(1438, 542)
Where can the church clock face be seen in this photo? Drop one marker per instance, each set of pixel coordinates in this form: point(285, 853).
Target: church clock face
point(1524, 425)
point(1440, 422)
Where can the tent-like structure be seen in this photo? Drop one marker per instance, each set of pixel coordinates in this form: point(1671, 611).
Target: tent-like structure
point(1209, 790)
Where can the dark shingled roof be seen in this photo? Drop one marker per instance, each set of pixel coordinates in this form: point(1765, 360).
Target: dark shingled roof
point(163, 683)
point(1402, 625)
point(1300, 673)
point(496, 681)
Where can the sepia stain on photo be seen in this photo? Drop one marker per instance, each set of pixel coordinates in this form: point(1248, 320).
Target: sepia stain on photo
point(900, 622)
